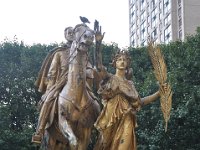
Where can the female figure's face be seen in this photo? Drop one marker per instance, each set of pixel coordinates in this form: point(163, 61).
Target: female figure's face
point(121, 62)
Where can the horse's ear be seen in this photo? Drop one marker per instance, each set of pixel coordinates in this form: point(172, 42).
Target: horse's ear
point(76, 28)
point(74, 31)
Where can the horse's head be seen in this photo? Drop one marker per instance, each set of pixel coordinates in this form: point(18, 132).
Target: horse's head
point(84, 36)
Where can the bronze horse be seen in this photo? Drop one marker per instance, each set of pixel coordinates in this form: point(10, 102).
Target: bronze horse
point(77, 107)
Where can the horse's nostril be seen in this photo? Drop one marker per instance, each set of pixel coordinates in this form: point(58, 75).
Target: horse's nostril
point(88, 36)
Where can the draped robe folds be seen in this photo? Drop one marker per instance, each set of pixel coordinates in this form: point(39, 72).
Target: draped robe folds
point(117, 120)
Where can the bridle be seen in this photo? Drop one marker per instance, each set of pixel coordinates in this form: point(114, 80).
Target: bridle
point(76, 47)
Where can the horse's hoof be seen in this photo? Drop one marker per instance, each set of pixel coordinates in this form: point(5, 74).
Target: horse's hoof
point(73, 141)
point(73, 145)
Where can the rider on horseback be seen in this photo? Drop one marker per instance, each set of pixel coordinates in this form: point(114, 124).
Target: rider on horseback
point(53, 71)
point(51, 80)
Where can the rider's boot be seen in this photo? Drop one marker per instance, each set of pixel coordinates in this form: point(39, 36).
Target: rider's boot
point(38, 136)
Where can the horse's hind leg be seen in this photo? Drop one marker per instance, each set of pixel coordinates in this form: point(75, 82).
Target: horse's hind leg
point(64, 125)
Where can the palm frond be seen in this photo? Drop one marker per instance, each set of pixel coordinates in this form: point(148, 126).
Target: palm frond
point(160, 71)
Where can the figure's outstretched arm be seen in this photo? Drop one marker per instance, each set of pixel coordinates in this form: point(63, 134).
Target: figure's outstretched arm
point(148, 99)
point(98, 46)
point(100, 71)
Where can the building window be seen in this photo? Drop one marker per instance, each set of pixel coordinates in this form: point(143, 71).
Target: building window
point(137, 32)
point(133, 43)
point(148, 19)
point(143, 16)
point(142, 5)
point(153, 18)
point(160, 16)
point(160, 27)
point(133, 36)
point(167, 6)
point(180, 23)
point(153, 4)
point(160, 6)
point(132, 9)
point(167, 20)
point(161, 37)
point(148, 8)
point(179, 11)
point(132, 29)
point(179, 2)
point(133, 13)
point(153, 22)
point(132, 1)
point(134, 26)
point(142, 36)
point(142, 25)
point(167, 34)
point(144, 43)
point(143, 30)
point(132, 20)
point(154, 34)
point(154, 12)
point(180, 34)
point(132, 39)
point(148, 29)
point(157, 40)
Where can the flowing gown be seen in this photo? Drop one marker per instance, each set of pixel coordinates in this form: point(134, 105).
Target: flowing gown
point(117, 120)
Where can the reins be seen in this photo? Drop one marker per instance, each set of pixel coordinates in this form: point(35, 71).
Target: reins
point(71, 54)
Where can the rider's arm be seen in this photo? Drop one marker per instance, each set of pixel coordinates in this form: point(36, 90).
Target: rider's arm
point(53, 71)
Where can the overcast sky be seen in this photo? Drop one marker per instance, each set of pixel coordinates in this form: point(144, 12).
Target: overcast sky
point(43, 21)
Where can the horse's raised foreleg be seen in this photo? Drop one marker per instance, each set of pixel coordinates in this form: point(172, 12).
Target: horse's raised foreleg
point(84, 139)
point(64, 125)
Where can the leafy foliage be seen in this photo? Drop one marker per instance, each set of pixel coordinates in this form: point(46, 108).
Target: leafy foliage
point(183, 62)
point(19, 67)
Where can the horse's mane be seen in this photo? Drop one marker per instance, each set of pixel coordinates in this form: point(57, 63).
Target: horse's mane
point(79, 25)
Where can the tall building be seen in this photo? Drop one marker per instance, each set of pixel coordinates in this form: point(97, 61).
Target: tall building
point(162, 20)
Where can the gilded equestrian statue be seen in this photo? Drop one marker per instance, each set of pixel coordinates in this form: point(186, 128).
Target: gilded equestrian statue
point(74, 108)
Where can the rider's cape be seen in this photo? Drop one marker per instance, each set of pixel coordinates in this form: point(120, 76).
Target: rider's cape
point(41, 82)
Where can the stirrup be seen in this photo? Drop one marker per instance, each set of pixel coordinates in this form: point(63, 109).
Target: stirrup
point(37, 139)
